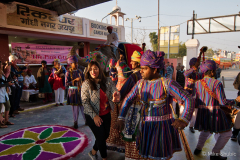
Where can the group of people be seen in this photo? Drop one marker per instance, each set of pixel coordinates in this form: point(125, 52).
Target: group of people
point(131, 111)
point(143, 124)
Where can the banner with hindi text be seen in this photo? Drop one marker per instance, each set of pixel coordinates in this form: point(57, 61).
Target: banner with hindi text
point(28, 53)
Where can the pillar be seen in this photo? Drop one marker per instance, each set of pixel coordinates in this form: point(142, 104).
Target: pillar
point(192, 51)
point(86, 48)
point(4, 47)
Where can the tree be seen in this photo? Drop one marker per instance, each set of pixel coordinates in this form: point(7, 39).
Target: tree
point(154, 39)
point(209, 52)
point(182, 50)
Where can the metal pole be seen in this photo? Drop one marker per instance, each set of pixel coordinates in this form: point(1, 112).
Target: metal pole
point(131, 30)
point(158, 28)
point(193, 28)
point(169, 36)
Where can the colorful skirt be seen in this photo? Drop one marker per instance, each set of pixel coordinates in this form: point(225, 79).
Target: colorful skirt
point(47, 87)
point(73, 97)
point(212, 119)
point(156, 137)
point(115, 141)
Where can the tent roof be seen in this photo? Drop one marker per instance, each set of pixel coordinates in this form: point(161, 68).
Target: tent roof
point(60, 6)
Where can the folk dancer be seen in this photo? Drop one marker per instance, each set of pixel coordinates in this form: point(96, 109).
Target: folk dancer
point(212, 104)
point(157, 126)
point(114, 141)
point(191, 76)
point(74, 78)
point(129, 134)
point(112, 39)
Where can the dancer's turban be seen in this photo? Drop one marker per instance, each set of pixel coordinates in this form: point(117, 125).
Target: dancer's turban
point(152, 59)
point(136, 56)
point(192, 61)
point(72, 59)
point(208, 65)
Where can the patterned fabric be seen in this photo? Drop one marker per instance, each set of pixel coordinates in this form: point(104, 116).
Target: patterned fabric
point(128, 85)
point(136, 56)
point(157, 139)
point(93, 57)
point(123, 73)
point(210, 117)
point(74, 93)
point(115, 141)
point(208, 65)
point(152, 59)
point(192, 61)
point(42, 143)
point(72, 59)
point(191, 76)
point(91, 98)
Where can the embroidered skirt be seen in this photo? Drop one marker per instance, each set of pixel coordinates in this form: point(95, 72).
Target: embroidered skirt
point(212, 119)
point(156, 138)
point(73, 97)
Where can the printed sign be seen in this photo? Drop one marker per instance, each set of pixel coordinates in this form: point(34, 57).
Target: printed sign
point(34, 53)
point(33, 17)
point(98, 29)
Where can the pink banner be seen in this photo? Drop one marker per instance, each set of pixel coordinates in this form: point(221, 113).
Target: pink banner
point(28, 53)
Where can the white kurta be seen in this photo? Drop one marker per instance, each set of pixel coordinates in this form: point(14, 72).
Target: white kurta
point(28, 80)
point(112, 38)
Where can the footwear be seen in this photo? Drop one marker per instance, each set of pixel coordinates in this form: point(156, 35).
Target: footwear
point(234, 138)
point(12, 115)
point(75, 125)
point(217, 158)
point(93, 157)
point(3, 125)
point(20, 109)
point(62, 104)
point(16, 112)
point(9, 123)
point(56, 104)
point(192, 130)
point(197, 151)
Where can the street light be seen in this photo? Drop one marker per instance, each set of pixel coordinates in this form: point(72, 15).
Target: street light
point(132, 19)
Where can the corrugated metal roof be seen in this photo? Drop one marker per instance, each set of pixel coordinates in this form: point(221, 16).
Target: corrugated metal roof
point(60, 6)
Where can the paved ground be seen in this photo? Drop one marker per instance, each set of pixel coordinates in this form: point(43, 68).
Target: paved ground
point(63, 116)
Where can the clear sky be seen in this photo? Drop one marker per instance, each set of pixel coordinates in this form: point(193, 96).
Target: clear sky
point(172, 12)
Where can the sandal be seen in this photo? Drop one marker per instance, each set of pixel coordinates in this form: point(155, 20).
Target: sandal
point(12, 115)
point(9, 123)
point(2, 125)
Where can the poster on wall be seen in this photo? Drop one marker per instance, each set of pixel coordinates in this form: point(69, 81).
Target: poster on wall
point(98, 29)
point(28, 53)
point(33, 17)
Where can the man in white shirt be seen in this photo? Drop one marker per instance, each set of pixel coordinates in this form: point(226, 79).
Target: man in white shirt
point(29, 80)
point(112, 39)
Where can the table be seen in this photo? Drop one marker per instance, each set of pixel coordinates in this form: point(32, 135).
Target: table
point(27, 92)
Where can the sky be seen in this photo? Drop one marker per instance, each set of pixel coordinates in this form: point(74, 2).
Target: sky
point(172, 12)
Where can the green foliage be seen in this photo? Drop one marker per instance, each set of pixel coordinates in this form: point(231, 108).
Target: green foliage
point(209, 52)
point(182, 50)
point(154, 39)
